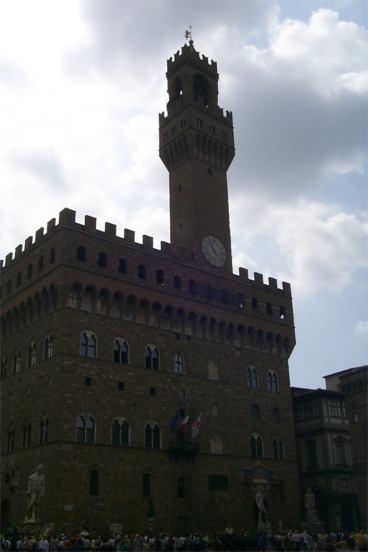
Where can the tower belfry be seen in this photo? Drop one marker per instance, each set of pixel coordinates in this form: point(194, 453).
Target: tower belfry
point(197, 148)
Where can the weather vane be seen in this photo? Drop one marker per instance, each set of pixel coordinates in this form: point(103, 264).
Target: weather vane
point(188, 34)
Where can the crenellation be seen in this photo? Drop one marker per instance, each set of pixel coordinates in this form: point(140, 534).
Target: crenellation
point(28, 243)
point(287, 288)
point(110, 230)
point(51, 225)
point(243, 274)
point(129, 235)
point(166, 247)
point(258, 278)
point(39, 233)
point(272, 282)
point(67, 217)
point(147, 242)
point(90, 223)
point(18, 251)
point(8, 258)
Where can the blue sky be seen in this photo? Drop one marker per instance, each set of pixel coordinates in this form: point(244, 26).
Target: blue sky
point(82, 84)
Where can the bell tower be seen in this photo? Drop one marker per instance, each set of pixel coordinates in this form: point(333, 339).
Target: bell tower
point(197, 148)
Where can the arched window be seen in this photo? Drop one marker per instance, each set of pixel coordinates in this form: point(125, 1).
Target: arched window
point(44, 431)
point(179, 363)
point(120, 432)
point(252, 377)
point(256, 446)
point(48, 346)
point(81, 253)
point(85, 429)
point(201, 87)
point(26, 435)
point(88, 345)
point(120, 351)
point(10, 443)
point(177, 282)
point(4, 367)
point(102, 260)
point(152, 357)
point(32, 354)
point(272, 381)
point(16, 363)
point(152, 436)
point(278, 449)
point(160, 279)
point(254, 413)
point(94, 477)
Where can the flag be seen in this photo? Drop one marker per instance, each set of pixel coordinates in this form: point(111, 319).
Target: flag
point(184, 424)
point(174, 420)
point(196, 426)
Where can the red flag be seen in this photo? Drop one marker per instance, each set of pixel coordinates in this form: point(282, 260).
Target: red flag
point(196, 426)
point(184, 424)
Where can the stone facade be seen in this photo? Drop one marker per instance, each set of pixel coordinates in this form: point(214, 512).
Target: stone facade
point(109, 345)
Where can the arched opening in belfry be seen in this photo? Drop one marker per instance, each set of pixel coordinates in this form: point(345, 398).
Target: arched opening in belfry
point(201, 88)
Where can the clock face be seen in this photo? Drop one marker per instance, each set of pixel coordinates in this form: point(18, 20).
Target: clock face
point(214, 251)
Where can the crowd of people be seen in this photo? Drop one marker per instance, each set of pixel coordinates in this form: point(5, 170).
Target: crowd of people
point(288, 541)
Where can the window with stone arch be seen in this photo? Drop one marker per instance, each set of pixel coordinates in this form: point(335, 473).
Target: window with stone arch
point(48, 350)
point(32, 354)
point(152, 357)
point(152, 435)
point(251, 377)
point(86, 428)
point(26, 435)
point(44, 431)
point(88, 344)
point(4, 368)
point(120, 432)
point(278, 449)
point(179, 363)
point(10, 443)
point(272, 381)
point(16, 362)
point(256, 446)
point(120, 351)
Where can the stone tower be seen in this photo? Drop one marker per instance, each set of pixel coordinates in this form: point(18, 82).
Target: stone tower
point(197, 147)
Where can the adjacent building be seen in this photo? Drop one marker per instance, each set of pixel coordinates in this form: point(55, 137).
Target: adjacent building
point(331, 440)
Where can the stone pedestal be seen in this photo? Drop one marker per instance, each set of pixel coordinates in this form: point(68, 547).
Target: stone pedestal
point(313, 527)
point(263, 526)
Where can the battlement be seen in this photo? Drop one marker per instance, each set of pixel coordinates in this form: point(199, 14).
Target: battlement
point(189, 53)
point(67, 219)
point(179, 103)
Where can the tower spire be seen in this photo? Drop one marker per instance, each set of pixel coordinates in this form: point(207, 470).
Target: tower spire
point(188, 35)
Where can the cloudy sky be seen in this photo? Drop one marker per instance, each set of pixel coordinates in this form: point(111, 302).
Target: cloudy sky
point(81, 86)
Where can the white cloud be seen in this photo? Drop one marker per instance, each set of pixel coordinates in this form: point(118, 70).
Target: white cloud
point(361, 328)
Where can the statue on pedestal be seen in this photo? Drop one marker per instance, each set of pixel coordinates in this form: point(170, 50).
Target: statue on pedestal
point(310, 505)
point(261, 513)
point(36, 490)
